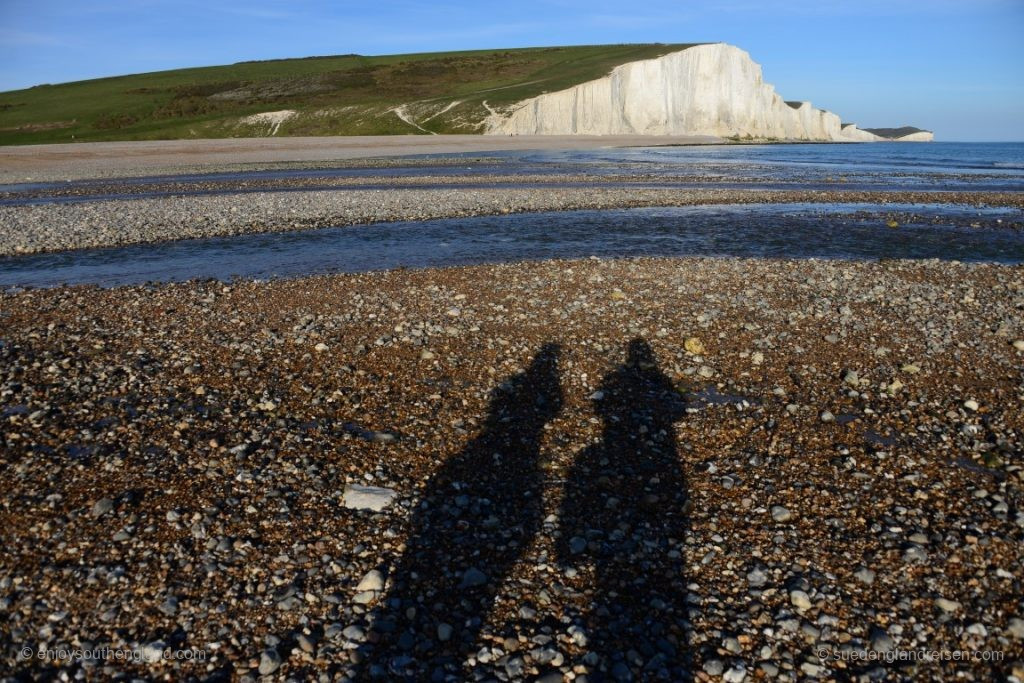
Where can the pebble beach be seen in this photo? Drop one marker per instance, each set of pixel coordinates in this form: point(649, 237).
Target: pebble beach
point(568, 470)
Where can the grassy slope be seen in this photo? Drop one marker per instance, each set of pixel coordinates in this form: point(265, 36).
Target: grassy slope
point(344, 95)
point(893, 133)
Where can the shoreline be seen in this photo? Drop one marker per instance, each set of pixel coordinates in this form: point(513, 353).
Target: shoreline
point(26, 163)
point(57, 162)
point(753, 449)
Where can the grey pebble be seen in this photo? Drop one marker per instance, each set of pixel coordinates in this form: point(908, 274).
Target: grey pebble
point(270, 662)
point(102, 507)
point(473, 577)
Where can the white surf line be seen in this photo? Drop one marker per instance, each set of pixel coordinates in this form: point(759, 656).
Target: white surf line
point(400, 113)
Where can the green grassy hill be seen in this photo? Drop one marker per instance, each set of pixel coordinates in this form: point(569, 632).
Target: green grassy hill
point(442, 92)
point(894, 133)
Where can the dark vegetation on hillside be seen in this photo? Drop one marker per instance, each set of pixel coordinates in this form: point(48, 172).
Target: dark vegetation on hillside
point(893, 133)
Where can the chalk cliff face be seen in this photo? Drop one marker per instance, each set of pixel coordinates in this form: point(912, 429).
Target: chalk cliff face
point(921, 136)
point(852, 133)
point(712, 89)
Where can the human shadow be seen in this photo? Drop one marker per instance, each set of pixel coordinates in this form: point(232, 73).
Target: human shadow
point(624, 517)
point(477, 516)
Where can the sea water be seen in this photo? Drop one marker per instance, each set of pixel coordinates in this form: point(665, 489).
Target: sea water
point(844, 231)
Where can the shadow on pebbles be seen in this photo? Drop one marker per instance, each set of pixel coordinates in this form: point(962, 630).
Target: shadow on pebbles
point(588, 470)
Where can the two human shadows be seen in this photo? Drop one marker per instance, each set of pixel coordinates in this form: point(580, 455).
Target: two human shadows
point(623, 518)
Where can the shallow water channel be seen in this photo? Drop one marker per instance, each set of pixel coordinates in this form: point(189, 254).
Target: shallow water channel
point(845, 231)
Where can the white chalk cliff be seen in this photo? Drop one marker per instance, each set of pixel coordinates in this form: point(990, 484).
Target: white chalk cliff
point(920, 136)
point(714, 89)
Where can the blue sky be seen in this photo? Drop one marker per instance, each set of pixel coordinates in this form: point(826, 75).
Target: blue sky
point(953, 66)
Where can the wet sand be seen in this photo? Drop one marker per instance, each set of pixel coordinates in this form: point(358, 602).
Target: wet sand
point(39, 163)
